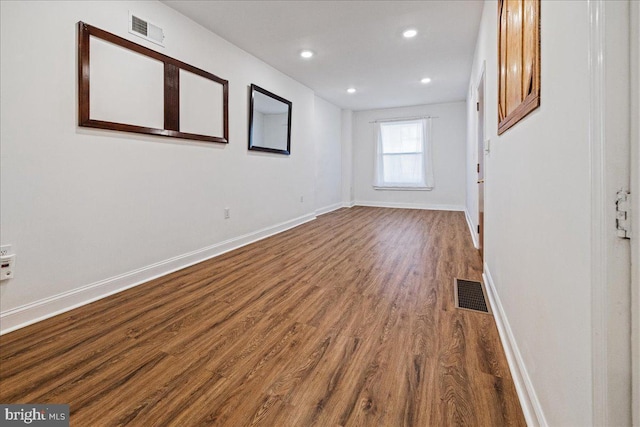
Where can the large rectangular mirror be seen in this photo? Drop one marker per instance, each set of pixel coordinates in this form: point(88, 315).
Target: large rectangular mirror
point(269, 122)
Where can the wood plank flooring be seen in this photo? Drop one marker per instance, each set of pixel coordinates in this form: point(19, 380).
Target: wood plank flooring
point(348, 320)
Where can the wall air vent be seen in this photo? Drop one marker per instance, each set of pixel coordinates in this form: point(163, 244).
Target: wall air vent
point(145, 29)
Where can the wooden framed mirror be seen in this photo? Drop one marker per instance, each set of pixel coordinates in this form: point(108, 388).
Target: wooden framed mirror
point(269, 122)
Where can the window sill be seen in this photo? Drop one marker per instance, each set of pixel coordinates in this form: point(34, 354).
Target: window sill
point(400, 188)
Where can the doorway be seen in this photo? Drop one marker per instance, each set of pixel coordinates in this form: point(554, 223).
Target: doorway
point(480, 165)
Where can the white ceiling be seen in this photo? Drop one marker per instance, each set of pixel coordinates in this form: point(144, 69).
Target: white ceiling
point(356, 43)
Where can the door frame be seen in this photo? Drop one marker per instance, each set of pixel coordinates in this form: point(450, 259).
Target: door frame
point(481, 124)
point(602, 116)
point(635, 211)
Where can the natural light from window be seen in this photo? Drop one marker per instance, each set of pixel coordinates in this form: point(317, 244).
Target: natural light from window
point(402, 159)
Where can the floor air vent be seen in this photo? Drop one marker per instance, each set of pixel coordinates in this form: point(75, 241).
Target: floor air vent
point(470, 295)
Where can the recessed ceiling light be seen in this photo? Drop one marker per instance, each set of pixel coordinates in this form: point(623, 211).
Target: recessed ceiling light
point(425, 80)
point(351, 90)
point(409, 33)
point(306, 54)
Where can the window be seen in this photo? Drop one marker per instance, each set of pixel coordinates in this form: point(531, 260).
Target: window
point(403, 158)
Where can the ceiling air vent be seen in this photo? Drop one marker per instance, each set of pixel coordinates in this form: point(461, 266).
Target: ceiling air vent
point(145, 29)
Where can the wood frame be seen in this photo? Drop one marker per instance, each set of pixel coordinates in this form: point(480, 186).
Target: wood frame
point(172, 69)
point(518, 60)
point(252, 90)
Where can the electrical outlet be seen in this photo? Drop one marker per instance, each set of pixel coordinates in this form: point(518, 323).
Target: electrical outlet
point(5, 250)
point(227, 213)
point(7, 264)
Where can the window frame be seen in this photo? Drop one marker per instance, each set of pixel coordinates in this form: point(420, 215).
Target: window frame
point(426, 183)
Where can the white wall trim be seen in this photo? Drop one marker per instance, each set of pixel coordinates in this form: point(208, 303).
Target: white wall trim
point(330, 208)
point(434, 207)
point(474, 234)
point(25, 315)
point(531, 406)
point(599, 296)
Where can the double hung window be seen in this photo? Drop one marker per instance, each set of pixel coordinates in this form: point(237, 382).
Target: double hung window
point(403, 155)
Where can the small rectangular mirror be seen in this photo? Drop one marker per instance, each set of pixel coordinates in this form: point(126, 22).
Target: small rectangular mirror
point(269, 122)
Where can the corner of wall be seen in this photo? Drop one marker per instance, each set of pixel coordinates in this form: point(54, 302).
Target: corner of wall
point(346, 123)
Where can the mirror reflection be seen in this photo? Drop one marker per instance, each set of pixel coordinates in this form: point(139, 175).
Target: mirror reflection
point(269, 122)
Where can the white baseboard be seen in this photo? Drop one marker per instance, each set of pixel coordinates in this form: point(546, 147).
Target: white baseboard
point(531, 407)
point(474, 233)
point(28, 314)
point(433, 207)
point(329, 208)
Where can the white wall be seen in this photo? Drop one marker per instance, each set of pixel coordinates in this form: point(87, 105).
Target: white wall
point(538, 222)
point(347, 157)
point(448, 138)
point(327, 135)
point(537, 213)
point(91, 211)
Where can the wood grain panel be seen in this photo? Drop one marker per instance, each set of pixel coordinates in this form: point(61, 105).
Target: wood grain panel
point(171, 97)
point(518, 60)
point(347, 320)
point(514, 54)
point(502, 60)
point(529, 46)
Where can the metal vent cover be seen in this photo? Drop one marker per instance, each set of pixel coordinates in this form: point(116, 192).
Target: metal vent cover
point(470, 295)
point(145, 29)
point(138, 25)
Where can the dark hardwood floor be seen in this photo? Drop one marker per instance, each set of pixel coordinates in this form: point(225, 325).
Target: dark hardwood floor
point(347, 320)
